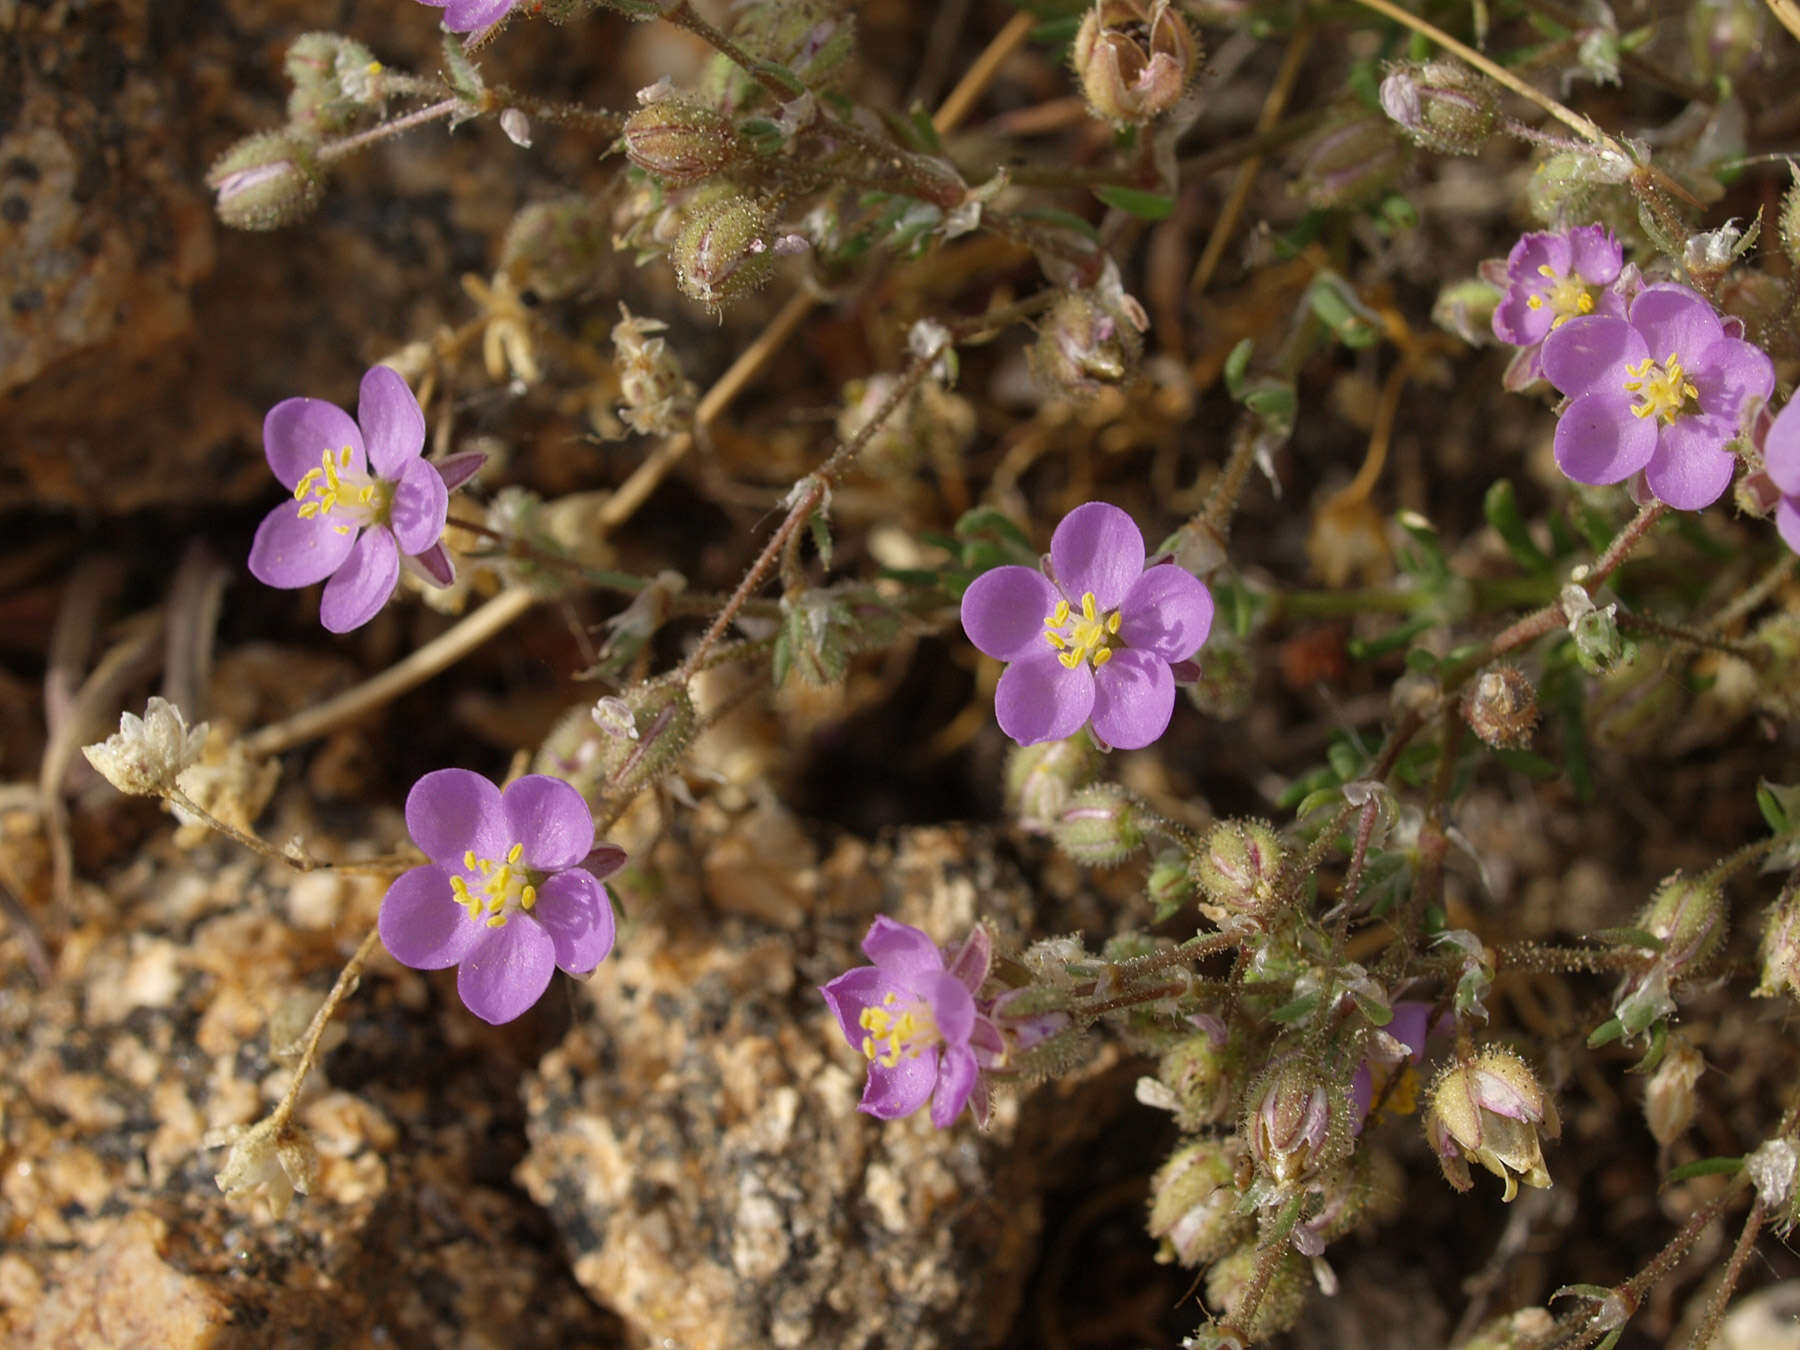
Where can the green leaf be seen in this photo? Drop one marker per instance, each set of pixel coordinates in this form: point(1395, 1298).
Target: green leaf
point(1631, 937)
point(1533, 766)
point(1137, 202)
point(1501, 506)
point(1066, 220)
point(1771, 806)
point(1296, 1009)
point(1606, 1033)
point(1704, 1167)
point(1235, 366)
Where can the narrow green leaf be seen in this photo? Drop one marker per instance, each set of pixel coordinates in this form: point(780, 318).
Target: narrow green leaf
point(1137, 202)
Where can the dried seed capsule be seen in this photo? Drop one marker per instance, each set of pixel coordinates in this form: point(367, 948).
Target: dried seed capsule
point(1501, 707)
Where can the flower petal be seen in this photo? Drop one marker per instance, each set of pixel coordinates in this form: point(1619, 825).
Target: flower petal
point(972, 960)
point(1595, 255)
point(850, 993)
point(1781, 450)
point(294, 550)
point(574, 910)
point(1004, 609)
point(952, 1005)
point(1689, 469)
point(392, 422)
point(1040, 699)
point(1535, 251)
point(432, 565)
point(1167, 611)
point(957, 1072)
point(459, 468)
point(1675, 321)
point(450, 812)
point(1598, 440)
point(298, 431)
point(899, 1091)
point(358, 589)
point(1787, 520)
point(508, 970)
point(1134, 696)
point(1591, 353)
point(421, 924)
point(421, 505)
point(1729, 374)
point(549, 817)
point(465, 16)
point(903, 953)
point(1097, 548)
point(1519, 324)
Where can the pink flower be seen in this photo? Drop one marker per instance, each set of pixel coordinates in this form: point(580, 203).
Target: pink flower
point(363, 499)
point(1094, 640)
point(466, 16)
point(512, 891)
point(1781, 458)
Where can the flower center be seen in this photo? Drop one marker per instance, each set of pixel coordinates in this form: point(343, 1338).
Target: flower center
point(911, 1033)
point(334, 488)
point(1567, 297)
point(1663, 389)
point(1088, 636)
point(500, 888)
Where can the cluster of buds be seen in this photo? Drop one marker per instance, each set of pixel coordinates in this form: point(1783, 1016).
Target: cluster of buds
point(337, 84)
point(1492, 1109)
point(1441, 104)
point(1134, 59)
point(1194, 1197)
point(651, 382)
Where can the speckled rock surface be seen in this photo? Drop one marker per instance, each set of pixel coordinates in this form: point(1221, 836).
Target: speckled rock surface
point(696, 1139)
point(158, 1030)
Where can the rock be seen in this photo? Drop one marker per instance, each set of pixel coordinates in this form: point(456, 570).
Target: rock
point(696, 1138)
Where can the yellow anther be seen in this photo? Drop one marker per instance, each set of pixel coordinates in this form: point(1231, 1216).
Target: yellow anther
point(1112, 622)
point(528, 897)
point(498, 921)
point(1534, 302)
point(1060, 615)
point(469, 859)
point(514, 853)
point(1664, 390)
point(1056, 640)
point(1102, 656)
point(1546, 270)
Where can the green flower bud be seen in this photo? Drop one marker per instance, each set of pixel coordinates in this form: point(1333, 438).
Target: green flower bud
point(1133, 58)
point(1781, 949)
point(1238, 868)
point(1297, 1124)
point(1565, 187)
point(556, 248)
point(1100, 826)
point(266, 181)
point(1689, 915)
point(1083, 345)
point(1500, 706)
point(1442, 105)
point(681, 142)
point(1169, 885)
point(1466, 308)
point(615, 747)
point(1355, 158)
point(1201, 1074)
point(337, 83)
point(1041, 778)
point(1193, 1202)
point(722, 252)
point(1491, 1109)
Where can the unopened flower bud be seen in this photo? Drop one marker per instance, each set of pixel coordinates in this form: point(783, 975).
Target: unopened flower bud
point(1466, 308)
point(556, 248)
point(1442, 104)
point(1200, 1073)
point(1599, 646)
point(617, 746)
point(266, 181)
point(1491, 1109)
point(146, 755)
point(1283, 1298)
point(1355, 158)
point(1133, 58)
point(517, 127)
point(1099, 826)
point(722, 252)
point(1041, 778)
point(1083, 345)
point(1670, 1102)
point(1781, 949)
point(1689, 915)
point(1193, 1203)
point(337, 83)
point(1563, 188)
point(1500, 706)
point(1238, 868)
point(1298, 1124)
point(1169, 886)
point(681, 143)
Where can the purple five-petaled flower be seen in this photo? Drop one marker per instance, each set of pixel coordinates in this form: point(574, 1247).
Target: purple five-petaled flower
point(916, 1021)
point(363, 499)
point(1664, 391)
point(512, 890)
point(1550, 279)
point(466, 16)
point(1781, 458)
point(1092, 641)
point(1406, 1033)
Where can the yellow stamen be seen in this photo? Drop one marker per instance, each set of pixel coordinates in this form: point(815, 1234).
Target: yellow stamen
point(1664, 389)
point(1086, 636)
